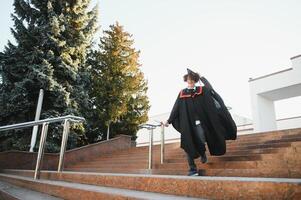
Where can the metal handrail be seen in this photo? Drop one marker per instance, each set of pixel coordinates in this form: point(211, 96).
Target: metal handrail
point(151, 128)
point(39, 122)
point(162, 151)
point(45, 122)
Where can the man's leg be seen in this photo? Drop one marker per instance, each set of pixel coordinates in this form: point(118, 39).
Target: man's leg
point(192, 166)
point(202, 140)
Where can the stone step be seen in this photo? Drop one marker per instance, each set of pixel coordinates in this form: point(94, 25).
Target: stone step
point(269, 164)
point(265, 137)
point(110, 170)
point(265, 168)
point(115, 162)
point(234, 145)
point(270, 150)
point(112, 166)
point(81, 191)
point(255, 173)
point(271, 134)
point(261, 140)
point(262, 137)
point(182, 164)
point(255, 157)
point(234, 151)
point(291, 136)
point(264, 172)
point(279, 145)
point(237, 157)
point(180, 159)
point(198, 187)
point(268, 142)
point(12, 192)
point(142, 164)
point(249, 148)
point(280, 173)
point(259, 146)
point(137, 164)
point(291, 133)
point(238, 142)
point(284, 139)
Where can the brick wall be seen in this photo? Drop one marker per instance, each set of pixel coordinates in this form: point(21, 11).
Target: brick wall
point(27, 160)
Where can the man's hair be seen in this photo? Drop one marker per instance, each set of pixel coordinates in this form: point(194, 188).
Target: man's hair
point(193, 76)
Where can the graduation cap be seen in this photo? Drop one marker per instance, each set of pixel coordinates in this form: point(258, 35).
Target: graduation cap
point(194, 74)
point(189, 71)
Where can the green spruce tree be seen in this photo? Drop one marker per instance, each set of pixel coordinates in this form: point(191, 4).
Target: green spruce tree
point(119, 88)
point(52, 38)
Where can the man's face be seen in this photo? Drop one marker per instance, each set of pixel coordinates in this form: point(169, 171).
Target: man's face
point(190, 83)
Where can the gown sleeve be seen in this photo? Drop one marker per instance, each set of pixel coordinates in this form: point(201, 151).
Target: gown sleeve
point(218, 101)
point(175, 111)
point(206, 83)
point(216, 138)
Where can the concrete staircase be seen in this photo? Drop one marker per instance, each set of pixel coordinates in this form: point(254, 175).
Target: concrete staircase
point(273, 154)
point(257, 166)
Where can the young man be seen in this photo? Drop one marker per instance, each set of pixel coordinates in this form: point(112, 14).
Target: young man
point(200, 115)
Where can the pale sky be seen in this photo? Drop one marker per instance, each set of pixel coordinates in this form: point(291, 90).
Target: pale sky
point(226, 41)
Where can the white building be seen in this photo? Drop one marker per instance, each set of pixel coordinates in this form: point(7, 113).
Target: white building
point(265, 90)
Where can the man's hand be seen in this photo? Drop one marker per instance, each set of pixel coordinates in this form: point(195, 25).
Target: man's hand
point(166, 124)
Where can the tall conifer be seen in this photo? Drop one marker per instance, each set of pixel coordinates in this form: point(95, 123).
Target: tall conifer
point(51, 42)
point(119, 88)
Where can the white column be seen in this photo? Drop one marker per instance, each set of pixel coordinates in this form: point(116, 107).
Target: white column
point(264, 117)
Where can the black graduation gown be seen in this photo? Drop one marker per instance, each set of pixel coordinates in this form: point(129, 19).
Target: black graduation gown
point(199, 105)
point(223, 112)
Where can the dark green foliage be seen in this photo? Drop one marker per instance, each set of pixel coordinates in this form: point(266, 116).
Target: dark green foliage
point(52, 38)
point(52, 41)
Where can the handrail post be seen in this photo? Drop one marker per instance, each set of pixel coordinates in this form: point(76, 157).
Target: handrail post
point(150, 153)
point(162, 144)
point(41, 150)
point(64, 144)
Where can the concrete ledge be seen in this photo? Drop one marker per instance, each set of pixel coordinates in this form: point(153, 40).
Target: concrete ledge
point(71, 190)
point(11, 192)
point(200, 187)
point(7, 196)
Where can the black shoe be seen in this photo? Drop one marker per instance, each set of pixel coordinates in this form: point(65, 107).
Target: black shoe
point(204, 159)
point(193, 172)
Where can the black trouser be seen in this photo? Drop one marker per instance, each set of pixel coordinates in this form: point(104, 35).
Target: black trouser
point(200, 136)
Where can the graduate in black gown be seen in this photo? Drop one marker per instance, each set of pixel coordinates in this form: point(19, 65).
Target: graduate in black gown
point(201, 116)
